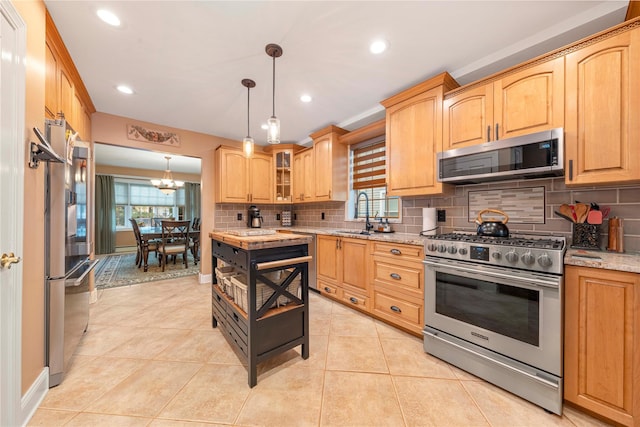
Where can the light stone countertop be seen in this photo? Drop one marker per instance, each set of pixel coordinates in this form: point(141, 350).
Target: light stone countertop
point(601, 259)
point(406, 238)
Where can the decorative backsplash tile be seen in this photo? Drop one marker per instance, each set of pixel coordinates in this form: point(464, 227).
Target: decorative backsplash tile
point(523, 205)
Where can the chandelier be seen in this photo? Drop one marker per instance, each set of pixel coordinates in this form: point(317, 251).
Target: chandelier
point(167, 185)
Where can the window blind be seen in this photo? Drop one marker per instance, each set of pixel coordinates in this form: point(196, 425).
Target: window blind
point(369, 166)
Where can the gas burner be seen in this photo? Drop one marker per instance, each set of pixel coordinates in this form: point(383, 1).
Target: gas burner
point(526, 252)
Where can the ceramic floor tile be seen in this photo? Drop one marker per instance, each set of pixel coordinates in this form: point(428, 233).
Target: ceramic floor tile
point(145, 392)
point(87, 419)
point(359, 399)
point(196, 346)
point(387, 331)
point(102, 338)
point(285, 408)
point(406, 356)
point(179, 423)
point(148, 343)
point(319, 324)
point(504, 409)
point(352, 324)
point(362, 354)
point(214, 395)
point(437, 402)
point(87, 379)
point(580, 419)
point(50, 418)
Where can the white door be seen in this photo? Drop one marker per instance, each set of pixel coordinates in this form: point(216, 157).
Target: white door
point(12, 161)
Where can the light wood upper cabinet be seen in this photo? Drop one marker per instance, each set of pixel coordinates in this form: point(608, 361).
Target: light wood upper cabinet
point(518, 103)
point(602, 342)
point(602, 131)
point(331, 160)
point(283, 172)
point(66, 96)
point(243, 180)
point(50, 83)
point(303, 176)
point(414, 137)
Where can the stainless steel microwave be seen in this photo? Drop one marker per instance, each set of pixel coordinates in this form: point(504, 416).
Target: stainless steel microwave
point(539, 154)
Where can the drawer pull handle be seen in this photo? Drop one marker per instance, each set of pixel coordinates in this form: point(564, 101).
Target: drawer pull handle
point(396, 251)
point(396, 309)
point(353, 300)
point(327, 289)
point(235, 317)
point(395, 276)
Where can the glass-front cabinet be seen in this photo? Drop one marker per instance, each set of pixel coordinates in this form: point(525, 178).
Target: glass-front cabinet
point(283, 170)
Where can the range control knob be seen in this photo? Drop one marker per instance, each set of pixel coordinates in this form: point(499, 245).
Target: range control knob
point(512, 257)
point(462, 251)
point(442, 248)
point(496, 255)
point(431, 247)
point(452, 250)
point(528, 258)
point(545, 260)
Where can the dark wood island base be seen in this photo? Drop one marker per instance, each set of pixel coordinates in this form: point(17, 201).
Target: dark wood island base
point(266, 328)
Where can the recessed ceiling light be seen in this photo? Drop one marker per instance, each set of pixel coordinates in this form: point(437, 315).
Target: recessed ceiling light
point(378, 46)
point(125, 89)
point(305, 98)
point(108, 17)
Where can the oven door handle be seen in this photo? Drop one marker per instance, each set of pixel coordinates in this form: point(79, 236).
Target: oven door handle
point(497, 362)
point(476, 271)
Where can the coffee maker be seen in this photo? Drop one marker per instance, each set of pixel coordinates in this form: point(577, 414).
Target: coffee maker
point(255, 219)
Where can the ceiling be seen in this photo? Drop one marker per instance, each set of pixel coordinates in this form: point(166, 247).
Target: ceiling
point(185, 59)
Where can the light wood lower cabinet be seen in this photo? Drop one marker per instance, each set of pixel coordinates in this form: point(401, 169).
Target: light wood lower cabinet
point(385, 280)
point(602, 342)
point(342, 268)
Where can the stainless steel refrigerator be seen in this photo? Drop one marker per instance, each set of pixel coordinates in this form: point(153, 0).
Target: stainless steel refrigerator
point(68, 246)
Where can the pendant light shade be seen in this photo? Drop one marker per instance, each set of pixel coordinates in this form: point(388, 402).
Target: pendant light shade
point(167, 185)
point(247, 142)
point(273, 124)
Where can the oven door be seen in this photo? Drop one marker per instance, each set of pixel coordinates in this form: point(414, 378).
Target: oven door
point(515, 313)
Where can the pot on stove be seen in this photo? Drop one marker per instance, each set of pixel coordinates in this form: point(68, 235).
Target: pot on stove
point(492, 228)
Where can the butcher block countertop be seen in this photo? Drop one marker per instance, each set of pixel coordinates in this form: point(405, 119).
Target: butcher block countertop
point(262, 241)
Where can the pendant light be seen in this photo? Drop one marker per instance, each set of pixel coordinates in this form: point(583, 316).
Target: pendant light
point(247, 142)
point(167, 185)
point(273, 124)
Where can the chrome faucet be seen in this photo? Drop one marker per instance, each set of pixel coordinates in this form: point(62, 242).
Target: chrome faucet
point(368, 225)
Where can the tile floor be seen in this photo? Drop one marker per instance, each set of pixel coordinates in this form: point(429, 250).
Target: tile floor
point(151, 358)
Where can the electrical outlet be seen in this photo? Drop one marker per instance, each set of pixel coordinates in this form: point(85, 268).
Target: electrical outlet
point(295, 217)
point(239, 217)
point(277, 217)
point(442, 215)
point(322, 215)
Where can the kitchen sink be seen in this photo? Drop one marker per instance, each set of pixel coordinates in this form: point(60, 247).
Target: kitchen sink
point(366, 233)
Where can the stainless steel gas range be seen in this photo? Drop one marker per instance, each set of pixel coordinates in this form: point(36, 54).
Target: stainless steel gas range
point(493, 307)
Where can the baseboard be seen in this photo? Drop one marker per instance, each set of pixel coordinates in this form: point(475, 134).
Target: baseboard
point(204, 278)
point(34, 396)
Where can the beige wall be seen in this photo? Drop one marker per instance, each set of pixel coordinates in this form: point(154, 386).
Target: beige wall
point(144, 173)
point(33, 13)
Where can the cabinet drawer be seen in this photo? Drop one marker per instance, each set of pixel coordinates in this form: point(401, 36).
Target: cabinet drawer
point(408, 314)
point(329, 290)
point(230, 255)
point(399, 251)
point(355, 299)
point(236, 319)
point(234, 338)
point(404, 276)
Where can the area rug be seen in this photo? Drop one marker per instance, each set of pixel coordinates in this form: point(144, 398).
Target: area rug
point(121, 270)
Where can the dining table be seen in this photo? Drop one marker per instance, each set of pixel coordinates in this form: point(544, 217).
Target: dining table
point(150, 233)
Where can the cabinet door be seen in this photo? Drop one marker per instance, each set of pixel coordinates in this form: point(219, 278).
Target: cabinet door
point(261, 178)
point(602, 132)
point(298, 177)
point(66, 95)
point(327, 258)
point(322, 159)
point(602, 339)
point(529, 101)
point(468, 118)
point(354, 266)
point(233, 184)
point(50, 83)
point(413, 139)
point(308, 176)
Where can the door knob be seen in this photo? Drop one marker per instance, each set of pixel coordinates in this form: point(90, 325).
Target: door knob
point(7, 260)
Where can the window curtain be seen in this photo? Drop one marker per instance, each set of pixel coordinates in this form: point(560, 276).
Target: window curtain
point(191, 200)
point(105, 215)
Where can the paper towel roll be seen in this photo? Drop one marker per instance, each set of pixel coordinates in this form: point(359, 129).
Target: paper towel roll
point(429, 221)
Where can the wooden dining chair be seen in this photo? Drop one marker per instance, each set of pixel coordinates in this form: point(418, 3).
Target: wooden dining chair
point(143, 246)
point(194, 245)
point(175, 241)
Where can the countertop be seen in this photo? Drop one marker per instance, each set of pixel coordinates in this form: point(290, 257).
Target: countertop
point(406, 238)
point(600, 259)
point(275, 240)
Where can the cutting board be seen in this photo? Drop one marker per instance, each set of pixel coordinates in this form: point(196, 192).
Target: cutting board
point(261, 242)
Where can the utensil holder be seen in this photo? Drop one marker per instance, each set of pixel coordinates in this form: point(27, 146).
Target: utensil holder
point(586, 236)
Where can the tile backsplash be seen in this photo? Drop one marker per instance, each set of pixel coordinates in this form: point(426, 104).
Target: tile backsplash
point(546, 194)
